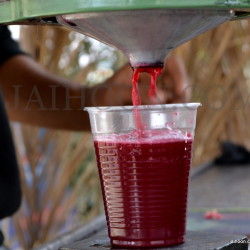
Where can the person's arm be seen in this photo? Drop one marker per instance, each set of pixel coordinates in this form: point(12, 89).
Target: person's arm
point(174, 81)
point(35, 96)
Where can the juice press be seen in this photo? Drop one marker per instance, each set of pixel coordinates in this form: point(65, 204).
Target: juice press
point(144, 30)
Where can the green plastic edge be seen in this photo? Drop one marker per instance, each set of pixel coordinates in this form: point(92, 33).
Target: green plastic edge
point(15, 10)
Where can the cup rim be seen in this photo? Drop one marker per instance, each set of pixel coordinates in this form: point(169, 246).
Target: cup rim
point(178, 106)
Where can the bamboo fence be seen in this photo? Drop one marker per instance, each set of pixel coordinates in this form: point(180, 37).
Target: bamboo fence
point(218, 64)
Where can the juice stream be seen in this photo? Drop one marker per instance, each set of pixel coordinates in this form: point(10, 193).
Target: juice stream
point(154, 72)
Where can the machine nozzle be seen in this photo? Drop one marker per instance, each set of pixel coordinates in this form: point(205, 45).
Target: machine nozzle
point(146, 36)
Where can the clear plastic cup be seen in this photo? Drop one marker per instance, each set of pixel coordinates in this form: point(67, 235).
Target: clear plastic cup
point(144, 156)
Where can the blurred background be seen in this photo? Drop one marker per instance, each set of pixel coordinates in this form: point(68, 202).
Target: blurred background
point(58, 169)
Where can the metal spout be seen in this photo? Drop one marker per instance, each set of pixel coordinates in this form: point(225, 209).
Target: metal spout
point(146, 36)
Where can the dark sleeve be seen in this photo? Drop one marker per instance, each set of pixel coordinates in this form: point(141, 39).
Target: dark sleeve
point(8, 47)
point(10, 188)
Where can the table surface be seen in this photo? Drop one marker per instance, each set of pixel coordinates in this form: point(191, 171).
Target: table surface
point(211, 187)
point(223, 187)
point(194, 241)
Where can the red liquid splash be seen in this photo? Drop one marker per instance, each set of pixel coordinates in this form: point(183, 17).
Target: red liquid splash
point(154, 72)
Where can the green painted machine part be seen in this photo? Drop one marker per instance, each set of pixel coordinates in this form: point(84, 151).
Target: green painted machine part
point(145, 30)
point(16, 10)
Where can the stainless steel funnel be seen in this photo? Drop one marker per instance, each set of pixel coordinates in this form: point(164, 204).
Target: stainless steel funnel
point(146, 36)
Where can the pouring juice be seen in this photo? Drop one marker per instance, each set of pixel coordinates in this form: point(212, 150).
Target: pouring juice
point(144, 173)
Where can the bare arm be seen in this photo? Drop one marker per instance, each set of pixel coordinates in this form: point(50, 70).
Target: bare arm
point(38, 97)
point(35, 96)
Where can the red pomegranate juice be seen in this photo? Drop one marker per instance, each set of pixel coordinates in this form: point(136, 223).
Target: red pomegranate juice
point(136, 99)
point(145, 182)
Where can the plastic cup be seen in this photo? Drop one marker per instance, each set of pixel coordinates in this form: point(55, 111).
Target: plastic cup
point(144, 172)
